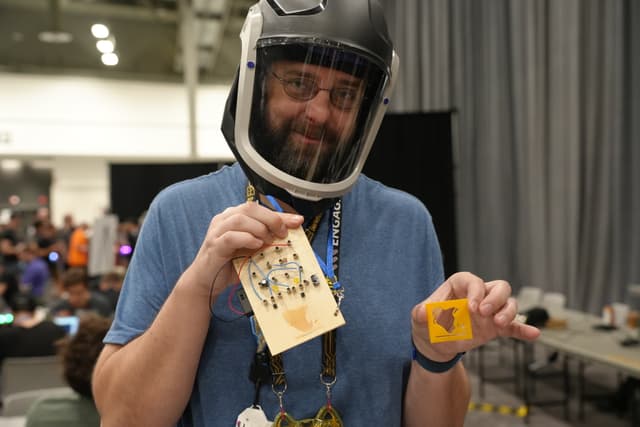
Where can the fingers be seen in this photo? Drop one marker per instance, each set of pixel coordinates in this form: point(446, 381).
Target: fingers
point(497, 295)
point(258, 220)
point(459, 285)
point(239, 231)
point(419, 314)
point(520, 331)
point(467, 285)
point(506, 314)
point(250, 226)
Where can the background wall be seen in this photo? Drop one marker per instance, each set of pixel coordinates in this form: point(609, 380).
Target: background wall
point(80, 116)
point(133, 186)
point(414, 152)
point(80, 125)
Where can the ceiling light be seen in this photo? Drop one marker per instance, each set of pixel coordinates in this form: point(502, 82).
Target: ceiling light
point(110, 59)
point(100, 31)
point(105, 46)
point(54, 33)
point(14, 200)
point(10, 165)
point(58, 37)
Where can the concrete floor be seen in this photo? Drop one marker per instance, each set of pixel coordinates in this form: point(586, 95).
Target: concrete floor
point(499, 364)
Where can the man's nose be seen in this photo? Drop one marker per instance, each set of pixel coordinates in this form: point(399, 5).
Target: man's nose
point(318, 108)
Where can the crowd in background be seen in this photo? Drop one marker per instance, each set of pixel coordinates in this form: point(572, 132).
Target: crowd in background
point(52, 278)
point(45, 261)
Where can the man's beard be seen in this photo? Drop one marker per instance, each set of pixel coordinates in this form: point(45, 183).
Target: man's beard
point(305, 161)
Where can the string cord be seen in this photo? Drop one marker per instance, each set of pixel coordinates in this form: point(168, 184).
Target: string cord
point(231, 293)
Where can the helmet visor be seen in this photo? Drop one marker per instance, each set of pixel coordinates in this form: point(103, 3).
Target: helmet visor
point(311, 105)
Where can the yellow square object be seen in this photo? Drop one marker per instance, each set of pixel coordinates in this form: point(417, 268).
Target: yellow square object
point(455, 326)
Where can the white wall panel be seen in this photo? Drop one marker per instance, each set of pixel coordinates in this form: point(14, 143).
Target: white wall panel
point(80, 186)
point(82, 124)
point(64, 116)
point(210, 108)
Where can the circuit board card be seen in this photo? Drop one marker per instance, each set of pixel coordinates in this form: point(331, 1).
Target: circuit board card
point(288, 292)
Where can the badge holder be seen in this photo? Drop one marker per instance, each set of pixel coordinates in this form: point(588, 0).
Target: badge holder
point(252, 417)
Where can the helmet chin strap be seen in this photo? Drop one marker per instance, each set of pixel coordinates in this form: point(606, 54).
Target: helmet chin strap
point(310, 209)
point(306, 208)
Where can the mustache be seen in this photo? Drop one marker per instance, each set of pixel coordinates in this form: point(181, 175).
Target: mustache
point(312, 131)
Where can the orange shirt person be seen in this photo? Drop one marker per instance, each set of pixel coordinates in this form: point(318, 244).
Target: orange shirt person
point(78, 253)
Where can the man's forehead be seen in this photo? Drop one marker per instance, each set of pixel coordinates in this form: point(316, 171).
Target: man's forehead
point(319, 71)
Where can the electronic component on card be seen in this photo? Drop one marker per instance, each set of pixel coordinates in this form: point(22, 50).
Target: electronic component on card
point(288, 292)
point(449, 320)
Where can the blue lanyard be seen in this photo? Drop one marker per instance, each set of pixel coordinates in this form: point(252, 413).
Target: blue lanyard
point(330, 267)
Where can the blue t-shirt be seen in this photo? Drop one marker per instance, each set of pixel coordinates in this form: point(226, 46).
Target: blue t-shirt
point(36, 275)
point(389, 261)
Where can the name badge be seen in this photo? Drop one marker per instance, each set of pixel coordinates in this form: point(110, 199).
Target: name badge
point(253, 416)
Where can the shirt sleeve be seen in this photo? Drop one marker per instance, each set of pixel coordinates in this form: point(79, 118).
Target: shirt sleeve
point(146, 286)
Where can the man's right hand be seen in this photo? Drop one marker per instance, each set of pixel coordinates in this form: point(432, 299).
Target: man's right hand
point(237, 231)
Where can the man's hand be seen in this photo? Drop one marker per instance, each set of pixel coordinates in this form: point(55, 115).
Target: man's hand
point(491, 308)
point(237, 231)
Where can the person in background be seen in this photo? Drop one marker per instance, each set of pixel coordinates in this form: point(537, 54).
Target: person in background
point(110, 285)
point(103, 244)
point(77, 298)
point(49, 248)
point(311, 90)
point(8, 288)
point(11, 245)
point(78, 247)
point(128, 234)
point(68, 225)
point(63, 236)
point(29, 335)
point(36, 274)
point(79, 354)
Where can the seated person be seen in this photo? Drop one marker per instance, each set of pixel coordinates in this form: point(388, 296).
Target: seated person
point(78, 299)
point(8, 288)
point(35, 276)
point(79, 354)
point(110, 285)
point(29, 335)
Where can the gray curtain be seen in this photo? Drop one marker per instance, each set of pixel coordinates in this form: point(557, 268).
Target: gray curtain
point(546, 103)
point(633, 121)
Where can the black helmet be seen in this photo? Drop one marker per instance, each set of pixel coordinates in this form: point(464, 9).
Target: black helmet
point(310, 93)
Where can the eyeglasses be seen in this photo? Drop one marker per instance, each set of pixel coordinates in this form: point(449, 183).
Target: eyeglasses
point(305, 88)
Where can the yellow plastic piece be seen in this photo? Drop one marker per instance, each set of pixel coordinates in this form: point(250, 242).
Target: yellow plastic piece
point(453, 326)
point(327, 416)
point(486, 407)
point(504, 409)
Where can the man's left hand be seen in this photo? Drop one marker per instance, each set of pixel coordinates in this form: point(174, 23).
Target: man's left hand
point(491, 308)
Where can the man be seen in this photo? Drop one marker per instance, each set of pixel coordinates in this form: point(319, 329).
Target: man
point(8, 288)
point(102, 244)
point(10, 245)
point(110, 285)
point(29, 335)
point(78, 299)
point(48, 246)
point(35, 276)
point(311, 90)
point(78, 247)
